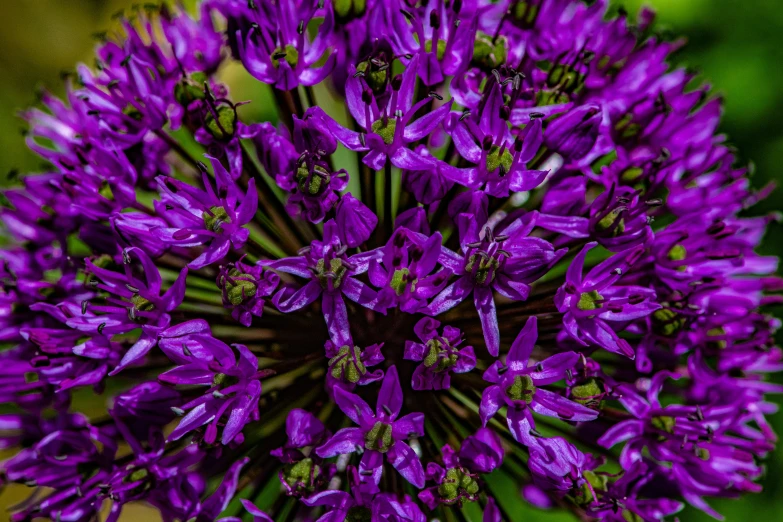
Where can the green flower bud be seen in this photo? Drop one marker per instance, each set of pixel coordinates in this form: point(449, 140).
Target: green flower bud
point(589, 393)
point(336, 272)
point(347, 364)
point(489, 54)
point(456, 484)
point(495, 159)
point(301, 475)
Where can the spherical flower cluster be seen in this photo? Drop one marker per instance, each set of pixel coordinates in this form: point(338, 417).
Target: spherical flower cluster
point(486, 246)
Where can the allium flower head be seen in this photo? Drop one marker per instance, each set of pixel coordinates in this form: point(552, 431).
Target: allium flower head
point(484, 246)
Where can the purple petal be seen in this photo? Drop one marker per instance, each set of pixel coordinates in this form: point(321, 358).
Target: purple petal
point(390, 396)
point(407, 463)
point(347, 440)
point(523, 345)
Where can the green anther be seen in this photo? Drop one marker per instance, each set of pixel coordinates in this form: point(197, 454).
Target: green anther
point(495, 159)
point(139, 474)
point(337, 270)
point(522, 389)
point(663, 423)
point(223, 380)
point(106, 191)
point(703, 454)
point(301, 475)
point(439, 359)
point(132, 112)
point(720, 344)
point(291, 56)
point(677, 253)
point(308, 184)
point(667, 322)
point(215, 218)
point(141, 304)
point(488, 54)
point(30, 377)
point(441, 48)
point(525, 14)
point(224, 126)
point(241, 289)
point(385, 131)
point(456, 484)
point(347, 10)
point(588, 393)
point(588, 300)
point(610, 223)
point(358, 514)
point(375, 78)
point(348, 364)
point(485, 273)
point(379, 438)
point(400, 281)
point(626, 127)
point(551, 97)
point(191, 89)
point(631, 174)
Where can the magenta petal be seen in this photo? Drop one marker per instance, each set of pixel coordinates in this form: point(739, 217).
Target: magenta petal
point(485, 304)
point(353, 406)
point(407, 463)
point(347, 440)
point(390, 396)
point(336, 315)
point(411, 425)
point(520, 423)
point(621, 432)
point(523, 345)
point(553, 369)
point(549, 403)
point(288, 299)
point(246, 403)
point(451, 296)
point(490, 403)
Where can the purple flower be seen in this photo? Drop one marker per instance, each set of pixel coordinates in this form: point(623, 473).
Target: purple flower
point(387, 127)
point(518, 386)
point(332, 276)
point(244, 288)
point(404, 269)
point(380, 433)
point(505, 263)
point(348, 365)
point(212, 217)
point(592, 304)
point(275, 48)
point(440, 354)
point(303, 472)
point(233, 389)
point(458, 479)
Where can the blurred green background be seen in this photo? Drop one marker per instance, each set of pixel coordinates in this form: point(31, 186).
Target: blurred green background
point(736, 45)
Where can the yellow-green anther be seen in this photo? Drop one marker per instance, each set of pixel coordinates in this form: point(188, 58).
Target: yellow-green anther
point(379, 438)
point(439, 359)
point(139, 474)
point(106, 191)
point(347, 10)
point(222, 380)
point(142, 304)
point(627, 127)
point(611, 222)
point(588, 392)
point(667, 322)
point(348, 364)
point(311, 184)
point(215, 218)
point(522, 389)
point(495, 159)
point(677, 253)
point(457, 483)
point(289, 53)
point(488, 53)
point(631, 174)
point(302, 474)
point(241, 289)
point(441, 51)
point(589, 300)
point(716, 343)
point(385, 130)
point(400, 281)
point(525, 13)
point(485, 272)
point(190, 89)
point(224, 126)
point(375, 77)
point(663, 423)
